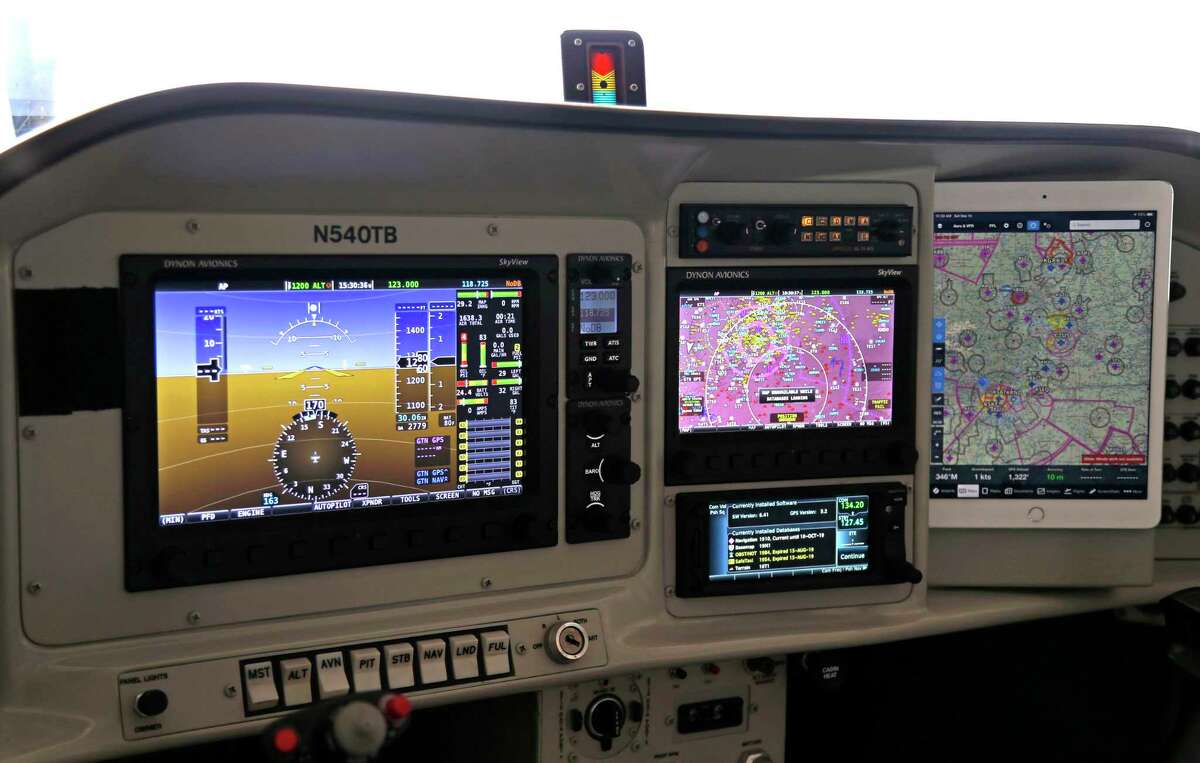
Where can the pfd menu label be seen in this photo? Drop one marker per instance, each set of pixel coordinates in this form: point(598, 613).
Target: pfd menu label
point(788, 536)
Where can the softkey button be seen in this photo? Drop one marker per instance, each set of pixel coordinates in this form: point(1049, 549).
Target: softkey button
point(495, 652)
point(432, 654)
point(590, 343)
point(399, 658)
point(260, 686)
point(297, 681)
point(364, 667)
point(331, 675)
point(464, 656)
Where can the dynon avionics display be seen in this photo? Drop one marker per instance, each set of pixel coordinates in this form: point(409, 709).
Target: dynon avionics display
point(386, 389)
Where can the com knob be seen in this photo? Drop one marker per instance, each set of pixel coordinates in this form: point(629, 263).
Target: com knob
point(1177, 291)
point(1173, 390)
point(732, 233)
point(1191, 347)
point(1187, 514)
point(1191, 389)
point(566, 642)
point(1189, 473)
point(615, 470)
point(604, 719)
point(888, 230)
point(1190, 430)
point(1170, 430)
point(1170, 473)
point(1174, 346)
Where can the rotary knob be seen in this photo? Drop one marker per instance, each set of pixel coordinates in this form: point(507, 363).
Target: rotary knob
point(1170, 430)
point(1188, 472)
point(1191, 347)
point(1187, 514)
point(1169, 473)
point(615, 470)
point(1190, 430)
point(782, 232)
point(566, 641)
point(732, 233)
point(1173, 390)
point(1174, 346)
point(1191, 389)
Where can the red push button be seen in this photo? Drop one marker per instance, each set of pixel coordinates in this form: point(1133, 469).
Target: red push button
point(286, 739)
point(701, 246)
point(397, 707)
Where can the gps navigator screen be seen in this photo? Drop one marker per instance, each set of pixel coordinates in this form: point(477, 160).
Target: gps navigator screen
point(292, 395)
point(772, 537)
point(1041, 354)
point(785, 359)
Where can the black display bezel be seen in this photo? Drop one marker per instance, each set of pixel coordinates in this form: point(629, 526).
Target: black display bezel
point(711, 457)
point(164, 557)
point(885, 553)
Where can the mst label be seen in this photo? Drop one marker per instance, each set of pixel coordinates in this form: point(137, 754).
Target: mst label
point(354, 234)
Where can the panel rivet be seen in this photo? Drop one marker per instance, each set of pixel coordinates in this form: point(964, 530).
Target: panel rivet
point(191, 226)
point(485, 583)
point(636, 524)
point(670, 720)
point(521, 648)
point(637, 267)
point(670, 591)
point(193, 617)
point(28, 433)
point(631, 43)
point(577, 41)
point(24, 272)
point(34, 587)
point(230, 691)
point(580, 86)
point(493, 229)
point(633, 87)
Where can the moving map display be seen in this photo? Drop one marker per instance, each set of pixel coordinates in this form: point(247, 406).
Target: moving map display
point(1041, 355)
point(296, 395)
point(785, 359)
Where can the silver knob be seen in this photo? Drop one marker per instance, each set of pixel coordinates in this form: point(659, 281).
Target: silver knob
point(755, 756)
point(566, 641)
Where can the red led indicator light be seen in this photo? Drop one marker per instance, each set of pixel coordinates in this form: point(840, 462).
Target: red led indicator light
point(397, 707)
point(286, 739)
point(701, 246)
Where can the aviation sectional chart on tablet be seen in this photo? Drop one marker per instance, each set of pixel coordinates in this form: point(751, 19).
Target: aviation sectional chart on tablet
point(1041, 361)
point(785, 359)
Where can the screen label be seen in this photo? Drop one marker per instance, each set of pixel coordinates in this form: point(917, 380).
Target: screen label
point(598, 311)
point(785, 359)
point(1041, 354)
point(302, 394)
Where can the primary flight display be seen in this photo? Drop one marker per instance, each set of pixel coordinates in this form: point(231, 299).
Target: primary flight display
point(292, 395)
point(1041, 354)
point(760, 359)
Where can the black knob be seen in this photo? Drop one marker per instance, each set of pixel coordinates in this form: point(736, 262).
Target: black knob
point(1170, 430)
point(1186, 514)
point(1169, 473)
point(904, 572)
point(783, 232)
point(615, 470)
point(1191, 389)
point(1189, 473)
point(1167, 516)
point(1190, 430)
point(686, 463)
point(150, 703)
point(604, 719)
point(1177, 291)
point(1173, 389)
point(1174, 346)
point(170, 564)
point(636, 711)
point(1191, 347)
point(732, 233)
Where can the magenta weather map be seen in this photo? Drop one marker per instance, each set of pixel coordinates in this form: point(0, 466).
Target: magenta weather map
point(785, 360)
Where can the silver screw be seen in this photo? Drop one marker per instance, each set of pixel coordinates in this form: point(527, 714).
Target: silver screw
point(638, 267)
point(636, 397)
point(580, 86)
point(34, 587)
point(28, 433)
point(191, 226)
point(672, 231)
point(631, 43)
point(635, 746)
point(633, 87)
point(670, 720)
point(193, 617)
point(521, 648)
point(636, 524)
point(670, 591)
point(230, 691)
point(577, 42)
point(486, 583)
point(493, 229)
point(24, 272)
point(671, 500)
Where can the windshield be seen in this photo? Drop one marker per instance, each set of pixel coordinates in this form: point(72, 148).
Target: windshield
point(1019, 61)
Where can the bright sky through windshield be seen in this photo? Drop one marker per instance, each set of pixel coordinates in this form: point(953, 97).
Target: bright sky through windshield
point(1131, 63)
